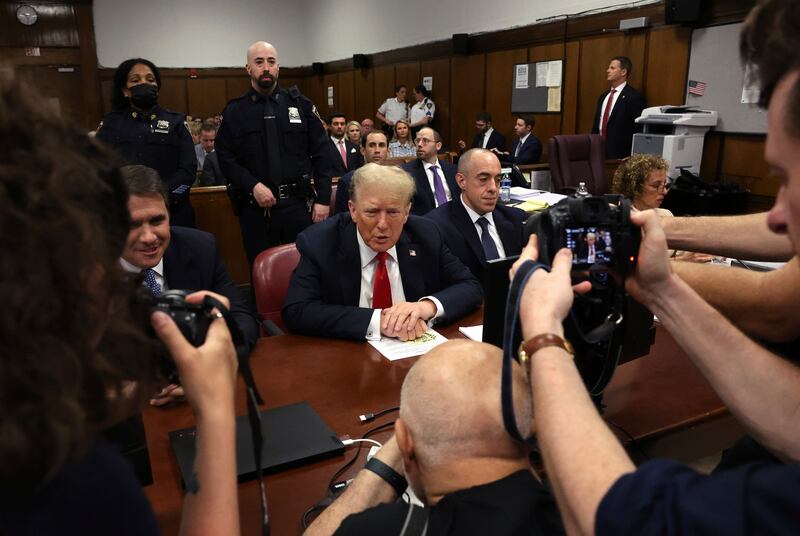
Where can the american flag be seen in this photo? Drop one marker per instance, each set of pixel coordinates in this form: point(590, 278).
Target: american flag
point(697, 88)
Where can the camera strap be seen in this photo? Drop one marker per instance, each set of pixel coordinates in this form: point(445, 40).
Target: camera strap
point(253, 400)
point(512, 332)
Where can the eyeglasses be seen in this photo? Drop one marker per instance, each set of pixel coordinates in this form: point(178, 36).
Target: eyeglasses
point(423, 141)
point(659, 186)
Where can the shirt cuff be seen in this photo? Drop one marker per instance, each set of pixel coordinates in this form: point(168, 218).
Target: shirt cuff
point(374, 328)
point(439, 309)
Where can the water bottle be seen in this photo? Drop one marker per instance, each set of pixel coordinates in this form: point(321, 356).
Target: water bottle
point(582, 191)
point(505, 189)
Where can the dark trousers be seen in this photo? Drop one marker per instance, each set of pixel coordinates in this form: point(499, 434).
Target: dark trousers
point(280, 225)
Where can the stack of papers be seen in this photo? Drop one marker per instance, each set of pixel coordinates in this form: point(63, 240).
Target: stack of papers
point(472, 332)
point(394, 349)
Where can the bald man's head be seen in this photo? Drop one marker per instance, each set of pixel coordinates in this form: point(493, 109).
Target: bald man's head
point(450, 403)
point(262, 66)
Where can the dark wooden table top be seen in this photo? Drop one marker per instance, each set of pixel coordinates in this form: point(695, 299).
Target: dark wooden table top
point(654, 395)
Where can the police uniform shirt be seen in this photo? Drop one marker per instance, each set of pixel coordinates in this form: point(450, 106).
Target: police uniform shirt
point(393, 110)
point(423, 108)
point(474, 216)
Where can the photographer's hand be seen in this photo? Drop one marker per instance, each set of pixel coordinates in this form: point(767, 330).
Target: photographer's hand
point(653, 270)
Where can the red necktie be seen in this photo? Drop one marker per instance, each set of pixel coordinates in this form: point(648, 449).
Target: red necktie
point(607, 112)
point(344, 154)
point(381, 289)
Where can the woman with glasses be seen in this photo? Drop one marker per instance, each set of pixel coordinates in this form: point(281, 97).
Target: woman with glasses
point(642, 178)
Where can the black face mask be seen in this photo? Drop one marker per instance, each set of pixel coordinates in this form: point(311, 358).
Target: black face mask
point(144, 96)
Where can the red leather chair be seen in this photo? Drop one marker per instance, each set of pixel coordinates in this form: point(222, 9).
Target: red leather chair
point(272, 271)
point(578, 158)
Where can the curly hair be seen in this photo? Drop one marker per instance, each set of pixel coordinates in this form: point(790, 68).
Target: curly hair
point(66, 315)
point(631, 174)
point(118, 99)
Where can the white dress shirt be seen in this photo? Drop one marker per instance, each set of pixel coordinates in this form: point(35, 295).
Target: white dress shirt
point(618, 92)
point(158, 269)
point(369, 263)
point(486, 138)
point(474, 216)
point(440, 171)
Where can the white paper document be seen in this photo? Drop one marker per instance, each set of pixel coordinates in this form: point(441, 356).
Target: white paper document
point(521, 78)
point(554, 73)
point(394, 349)
point(542, 70)
point(472, 332)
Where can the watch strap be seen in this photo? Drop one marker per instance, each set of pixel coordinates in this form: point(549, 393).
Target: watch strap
point(389, 475)
point(544, 340)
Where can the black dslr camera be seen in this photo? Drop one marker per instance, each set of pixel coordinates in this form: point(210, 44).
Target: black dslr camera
point(598, 231)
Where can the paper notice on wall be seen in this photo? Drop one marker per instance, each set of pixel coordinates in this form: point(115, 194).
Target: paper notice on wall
point(427, 81)
point(330, 91)
point(542, 70)
point(750, 90)
point(554, 73)
point(554, 99)
point(521, 78)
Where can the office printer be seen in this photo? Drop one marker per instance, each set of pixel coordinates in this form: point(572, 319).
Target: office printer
point(676, 133)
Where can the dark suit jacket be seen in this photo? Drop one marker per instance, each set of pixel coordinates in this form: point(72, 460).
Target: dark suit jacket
point(461, 236)
point(324, 291)
point(354, 158)
point(192, 263)
point(424, 201)
point(496, 140)
point(619, 132)
point(212, 174)
point(529, 153)
point(343, 193)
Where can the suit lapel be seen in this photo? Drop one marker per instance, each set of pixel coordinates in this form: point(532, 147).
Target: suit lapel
point(506, 231)
point(176, 266)
point(348, 264)
point(465, 226)
point(423, 187)
point(408, 257)
point(619, 103)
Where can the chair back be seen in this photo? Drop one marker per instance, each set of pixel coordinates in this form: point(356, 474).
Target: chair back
point(333, 199)
point(272, 271)
point(578, 158)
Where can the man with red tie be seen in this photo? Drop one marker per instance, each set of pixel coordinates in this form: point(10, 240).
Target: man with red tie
point(617, 109)
point(376, 270)
point(345, 155)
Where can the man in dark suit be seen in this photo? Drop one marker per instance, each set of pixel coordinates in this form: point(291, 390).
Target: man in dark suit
point(376, 271)
point(527, 149)
point(435, 180)
point(487, 137)
point(374, 148)
point(345, 155)
point(475, 228)
point(175, 258)
point(617, 110)
point(212, 174)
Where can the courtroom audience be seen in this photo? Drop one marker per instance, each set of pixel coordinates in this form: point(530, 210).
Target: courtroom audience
point(354, 132)
point(374, 149)
point(401, 145)
point(376, 271)
point(76, 360)
point(367, 125)
point(451, 446)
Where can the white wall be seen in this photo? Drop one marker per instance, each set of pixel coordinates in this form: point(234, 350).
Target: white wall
point(166, 31)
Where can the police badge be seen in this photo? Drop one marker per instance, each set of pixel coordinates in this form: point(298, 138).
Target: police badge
point(294, 115)
point(162, 126)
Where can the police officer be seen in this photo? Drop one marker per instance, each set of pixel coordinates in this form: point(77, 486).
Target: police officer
point(269, 145)
point(421, 113)
point(144, 133)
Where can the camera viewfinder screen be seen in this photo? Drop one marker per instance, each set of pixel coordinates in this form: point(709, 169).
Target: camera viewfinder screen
point(590, 245)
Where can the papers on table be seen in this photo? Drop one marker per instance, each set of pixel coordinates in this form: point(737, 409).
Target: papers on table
point(472, 332)
point(534, 200)
point(394, 349)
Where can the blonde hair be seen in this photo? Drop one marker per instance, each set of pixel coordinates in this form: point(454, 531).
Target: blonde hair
point(392, 180)
point(631, 174)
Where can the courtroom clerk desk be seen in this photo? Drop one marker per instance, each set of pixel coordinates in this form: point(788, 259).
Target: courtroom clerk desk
point(655, 395)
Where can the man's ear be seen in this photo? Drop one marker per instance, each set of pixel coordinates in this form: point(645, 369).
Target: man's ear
point(405, 443)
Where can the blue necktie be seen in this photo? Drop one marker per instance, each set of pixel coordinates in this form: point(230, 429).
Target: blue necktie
point(489, 247)
point(438, 188)
point(151, 283)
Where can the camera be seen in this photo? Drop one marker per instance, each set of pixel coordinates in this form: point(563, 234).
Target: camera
point(598, 231)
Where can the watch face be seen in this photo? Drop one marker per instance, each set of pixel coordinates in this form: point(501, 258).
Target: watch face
point(27, 15)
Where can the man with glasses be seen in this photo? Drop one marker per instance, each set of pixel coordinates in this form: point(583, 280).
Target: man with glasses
point(435, 180)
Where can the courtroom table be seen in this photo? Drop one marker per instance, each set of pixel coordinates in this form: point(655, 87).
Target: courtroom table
point(658, 394)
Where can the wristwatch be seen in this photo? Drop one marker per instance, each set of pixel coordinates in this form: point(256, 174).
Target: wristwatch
point(543, 340)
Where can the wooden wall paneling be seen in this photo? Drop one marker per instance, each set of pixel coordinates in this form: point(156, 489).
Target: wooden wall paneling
point(742, 160)
point(363, 93)
point(667, 65)
point(468, 94)
point(313, 89)
point(89, 75)
point(383, 88)
point(57, 26)
point(63, 89)
point(346, 97)
point(569, 95)
point(329, 80)
point(236, 87)
point(439, 70)
point(408, 74)
point(172, 94)
point(712, 149)
point(499, 82)
point(215, 215)
point(206, 96)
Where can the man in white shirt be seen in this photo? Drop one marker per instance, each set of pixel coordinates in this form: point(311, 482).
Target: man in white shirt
point(376, 271)
point(393, 109)
point(487, 137)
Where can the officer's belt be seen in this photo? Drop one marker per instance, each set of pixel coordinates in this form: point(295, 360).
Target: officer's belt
point(289, 190)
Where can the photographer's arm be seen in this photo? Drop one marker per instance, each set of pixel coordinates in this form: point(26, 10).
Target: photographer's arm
point(761, 389)
point(208, 375)
point(740, 237)
point(582, 457)
point(762, 304)
point(365, 491)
